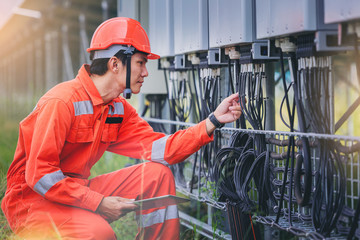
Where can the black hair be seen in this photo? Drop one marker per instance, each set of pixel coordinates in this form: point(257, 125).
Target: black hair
point(99, 66)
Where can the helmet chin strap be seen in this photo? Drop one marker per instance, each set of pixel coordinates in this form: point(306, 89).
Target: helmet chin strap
point(127, 92)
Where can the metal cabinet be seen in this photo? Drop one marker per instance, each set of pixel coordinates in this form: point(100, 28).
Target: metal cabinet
point(230, 22)
point(283, 17)
point(191, 26)
point(161, 27)
point(340, 11)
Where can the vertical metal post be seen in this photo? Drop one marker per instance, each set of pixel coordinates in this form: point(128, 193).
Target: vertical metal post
point(66, 52)
point(4, 80)
point(30, 73)
point(270, 233)
point(38, 67)
point(119, 7)
point(331, 98)
point(84, 41)
point(210, 215)
point(354, 79)
point(12, 81)
point(105, 9)
point(270, 96)
point(50, 60)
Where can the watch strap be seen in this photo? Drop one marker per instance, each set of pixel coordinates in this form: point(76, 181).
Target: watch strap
point(214, 121)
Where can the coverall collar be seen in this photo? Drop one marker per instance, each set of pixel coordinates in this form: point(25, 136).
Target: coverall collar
point(84, 77)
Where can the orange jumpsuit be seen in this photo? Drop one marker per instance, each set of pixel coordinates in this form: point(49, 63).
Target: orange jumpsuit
point(59, 142)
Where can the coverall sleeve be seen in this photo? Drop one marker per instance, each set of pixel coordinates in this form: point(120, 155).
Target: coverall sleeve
point(43, 173)
point(137, 139)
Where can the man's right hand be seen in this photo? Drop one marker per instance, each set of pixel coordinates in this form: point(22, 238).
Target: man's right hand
point(114, 208)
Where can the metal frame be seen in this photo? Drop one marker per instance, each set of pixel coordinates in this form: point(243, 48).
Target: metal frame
point(204, 229)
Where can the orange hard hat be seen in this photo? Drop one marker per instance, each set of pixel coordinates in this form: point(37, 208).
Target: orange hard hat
point(121, 31)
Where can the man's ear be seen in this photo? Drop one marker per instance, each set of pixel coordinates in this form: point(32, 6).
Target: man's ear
point(113, 64)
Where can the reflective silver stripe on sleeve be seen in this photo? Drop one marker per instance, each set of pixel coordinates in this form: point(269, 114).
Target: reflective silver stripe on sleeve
point(118, 109)
point(47, 181)
point(158, 150)
point(158, 216)
point(83, 107)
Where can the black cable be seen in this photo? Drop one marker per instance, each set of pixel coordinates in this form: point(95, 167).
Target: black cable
point(302, 191)
point(241, 122)
point(329, 195)
point(291, 118)
point(252, 111)
point(281, 107)
point(231, 89)
point(197, 104)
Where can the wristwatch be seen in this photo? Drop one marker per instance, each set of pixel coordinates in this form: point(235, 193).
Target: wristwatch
point(214, 121)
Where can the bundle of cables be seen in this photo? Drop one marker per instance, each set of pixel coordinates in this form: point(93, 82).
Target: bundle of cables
point(207, 97)
point(180, 106)
point(285, 186)
point(329, 195)
point(244, 165)
point(236, 168)
point(250, 84)
point(179, 95)
point(182, 103)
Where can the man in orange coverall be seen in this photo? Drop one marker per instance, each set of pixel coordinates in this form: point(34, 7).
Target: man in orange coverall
point(48, 191)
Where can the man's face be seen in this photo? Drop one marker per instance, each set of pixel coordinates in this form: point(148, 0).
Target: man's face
point(138, 71)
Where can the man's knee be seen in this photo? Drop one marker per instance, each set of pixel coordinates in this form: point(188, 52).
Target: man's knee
point(60, 221)
point(93, 230)
point(159, 170)
point(162, 178)
point(91, 226)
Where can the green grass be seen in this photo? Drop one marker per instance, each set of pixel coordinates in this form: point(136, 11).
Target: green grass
point(5, 231)
point(9, 134)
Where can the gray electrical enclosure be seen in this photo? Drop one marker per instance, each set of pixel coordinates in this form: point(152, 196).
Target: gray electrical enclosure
point(191, 26)
point(340, 11)
point(283, 17)
point(161, 27)
point(230, 22)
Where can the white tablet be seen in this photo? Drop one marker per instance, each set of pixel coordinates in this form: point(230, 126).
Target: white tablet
point(161, 201)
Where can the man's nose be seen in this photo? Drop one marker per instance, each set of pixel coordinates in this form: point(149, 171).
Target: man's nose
point(145, 72)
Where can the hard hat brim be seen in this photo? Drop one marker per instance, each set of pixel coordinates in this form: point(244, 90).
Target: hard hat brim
point(153, 56)
point(113, 49)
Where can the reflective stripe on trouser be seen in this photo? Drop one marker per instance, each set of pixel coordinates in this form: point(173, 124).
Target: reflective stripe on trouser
point(149, 223)
point(152, 180)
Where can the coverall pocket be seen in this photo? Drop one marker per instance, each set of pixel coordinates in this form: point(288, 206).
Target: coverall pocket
point(110, 133)
point(81, 135)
